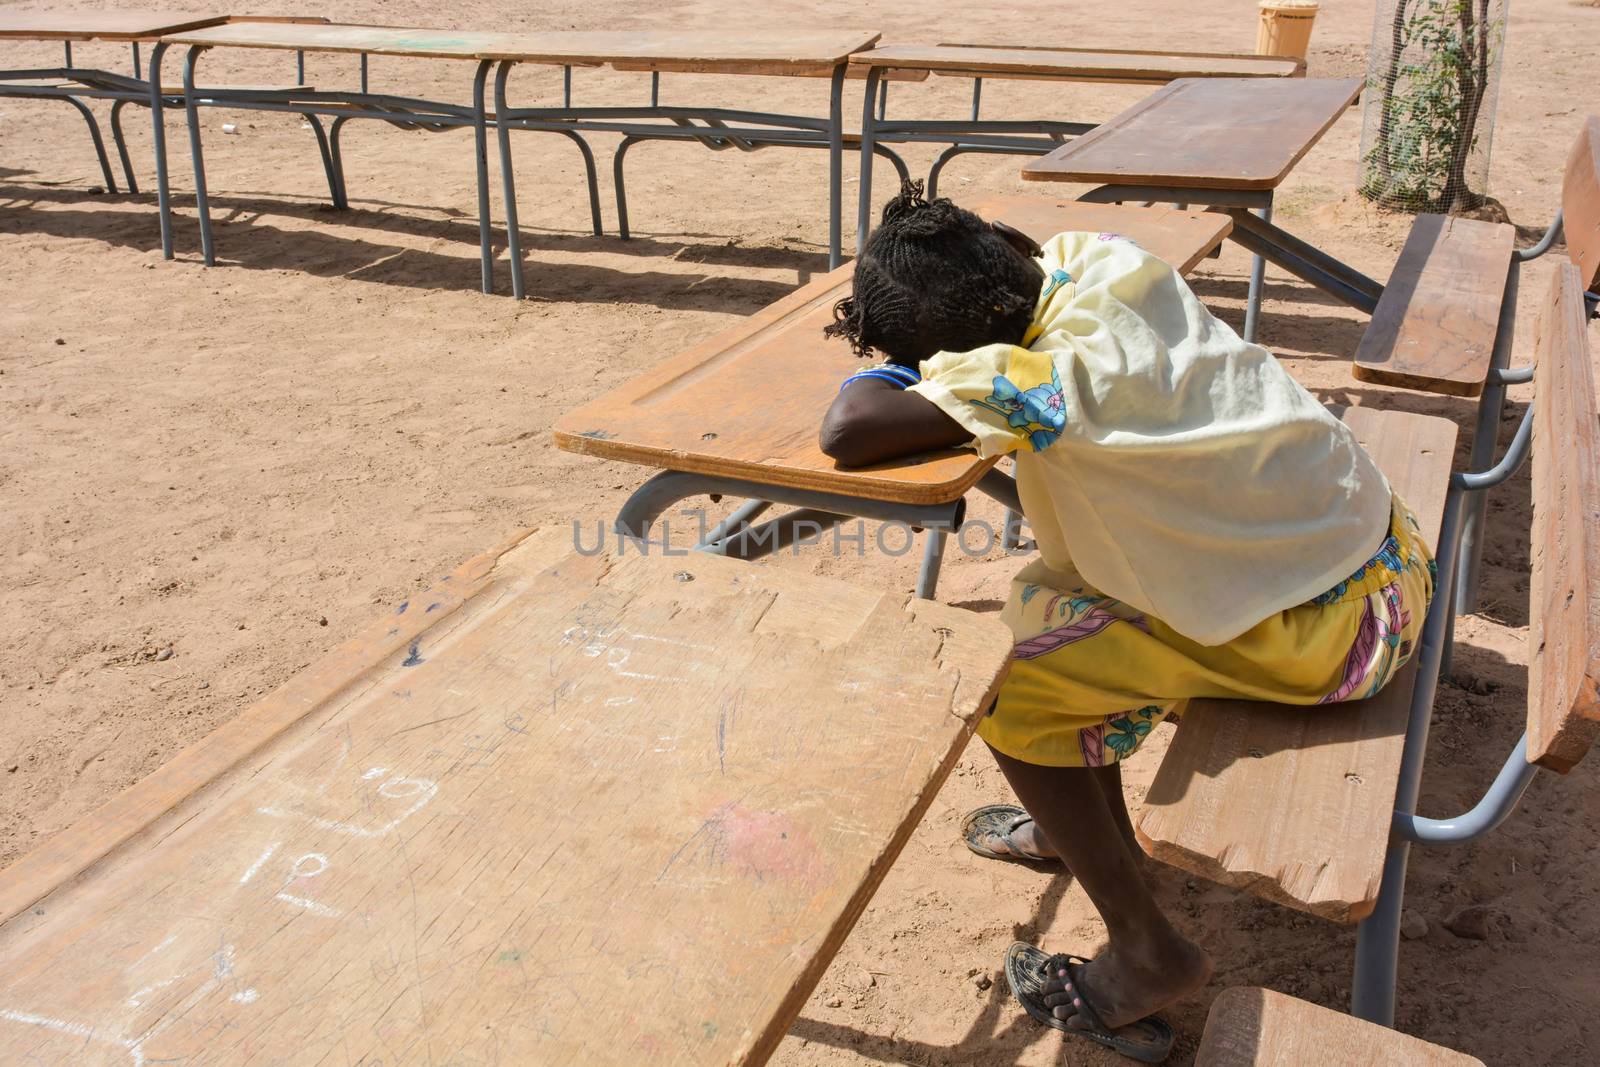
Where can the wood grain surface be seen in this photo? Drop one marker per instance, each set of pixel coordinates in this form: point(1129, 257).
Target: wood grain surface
point(596, 774)
point(748, 403)
point(1564, 612)
point(1434, 327)
point(1580, 203)
point(1075, 64)
point(110, 25)
point(1251, 1027)
point(1205, 133)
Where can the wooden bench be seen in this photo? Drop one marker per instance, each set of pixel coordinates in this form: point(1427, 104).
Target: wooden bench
point(461, 835)
point(1436, 326)
point(1445, 322)
point(1304, 806)
point(1260, 1028)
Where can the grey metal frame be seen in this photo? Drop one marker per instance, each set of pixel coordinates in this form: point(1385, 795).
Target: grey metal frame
point(815, 511)
point(715, 128)
point(1026, 137)
point(1378, 935)
point(341, 107)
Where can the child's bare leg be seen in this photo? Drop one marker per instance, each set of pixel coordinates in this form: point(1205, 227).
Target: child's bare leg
point(1030, 840)
point(1147, 964)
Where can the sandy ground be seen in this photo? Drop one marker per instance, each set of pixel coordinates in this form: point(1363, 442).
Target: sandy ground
point(209, 477)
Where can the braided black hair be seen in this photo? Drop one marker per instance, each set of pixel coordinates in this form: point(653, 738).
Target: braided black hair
point(934, 277)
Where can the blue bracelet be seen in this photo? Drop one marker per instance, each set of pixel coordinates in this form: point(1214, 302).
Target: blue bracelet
point(896, 375)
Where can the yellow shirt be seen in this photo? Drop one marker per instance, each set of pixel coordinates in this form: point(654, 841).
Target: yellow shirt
point(1172, 465)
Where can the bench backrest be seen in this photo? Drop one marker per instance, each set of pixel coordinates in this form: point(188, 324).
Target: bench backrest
point(1564, 615)
point(1580, 203)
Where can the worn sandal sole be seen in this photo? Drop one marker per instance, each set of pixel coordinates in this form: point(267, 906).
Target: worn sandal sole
point(988, 820)
point(1149, 1040)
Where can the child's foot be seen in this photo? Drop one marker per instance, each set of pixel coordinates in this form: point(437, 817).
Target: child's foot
point(1123, 986)
point(1006, 832)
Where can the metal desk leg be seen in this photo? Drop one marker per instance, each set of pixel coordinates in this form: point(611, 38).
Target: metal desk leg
point(481, 134)
point(868, 118)
point(508, 180)
point(1258, 269)
point(158, 135)
point(191, 108)
point(122, 145)
point(933, 542)
point(836, 164)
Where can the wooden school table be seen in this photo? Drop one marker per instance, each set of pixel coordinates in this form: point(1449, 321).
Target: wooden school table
point(559, 809)
point(708, 420)
point(797, 53)
point(1221, 142)
point(407, 112)
point(1025, 136)
point(72, 84)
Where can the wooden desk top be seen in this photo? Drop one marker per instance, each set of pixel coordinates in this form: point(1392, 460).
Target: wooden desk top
point(1205, 133)
point(1075, 64)
point(104, 25)
point(748, 403)
point(462, 836)
point(416, 42)
point(691, 51)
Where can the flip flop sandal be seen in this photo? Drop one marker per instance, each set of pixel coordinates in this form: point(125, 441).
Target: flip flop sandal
point(1027, 969)
point(998, 820)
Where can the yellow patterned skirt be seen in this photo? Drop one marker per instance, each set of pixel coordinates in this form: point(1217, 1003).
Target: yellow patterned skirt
point(1091, 676)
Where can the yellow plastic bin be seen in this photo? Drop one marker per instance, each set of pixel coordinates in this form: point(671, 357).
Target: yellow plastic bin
point(1285, 28)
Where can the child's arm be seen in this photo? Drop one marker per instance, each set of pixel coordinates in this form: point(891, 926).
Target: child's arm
point(872, 421)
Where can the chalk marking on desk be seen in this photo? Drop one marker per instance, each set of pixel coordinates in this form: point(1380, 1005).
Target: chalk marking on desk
point(312, 906)
point(255, 868)
point(423, 788)
point(62, 1026)
point(317, 858)
point(137, 1000)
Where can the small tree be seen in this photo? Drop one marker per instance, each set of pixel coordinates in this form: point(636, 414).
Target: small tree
point(1430, 98)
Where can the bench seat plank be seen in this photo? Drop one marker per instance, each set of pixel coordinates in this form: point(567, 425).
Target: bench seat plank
point(1250, 1027)
point(747, 403)
point(465, 840)
point(1564, 623)
point(1434, 327)
point(1294, 803)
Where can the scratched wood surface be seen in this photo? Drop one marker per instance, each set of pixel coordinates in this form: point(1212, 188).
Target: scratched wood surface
point(1580, 203)
point(111, 25)
point(1205, 133)
point(1294, 803)
point(1250, 1027)
point(1434, 327)
point(590, 777)
point(1073, 64)
point(717, 408)
point(1564, 612)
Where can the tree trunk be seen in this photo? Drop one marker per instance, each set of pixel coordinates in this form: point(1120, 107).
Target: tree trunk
point(1473, 79)
point(1386, 115)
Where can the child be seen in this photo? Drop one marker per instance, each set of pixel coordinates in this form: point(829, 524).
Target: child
point(1205, 528)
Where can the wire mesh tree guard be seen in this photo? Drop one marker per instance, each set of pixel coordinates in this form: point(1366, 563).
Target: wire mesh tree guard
point(1433, 75)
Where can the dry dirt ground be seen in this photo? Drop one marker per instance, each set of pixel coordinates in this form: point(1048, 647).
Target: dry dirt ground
point(209, 477)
